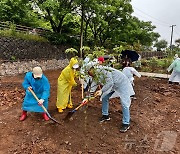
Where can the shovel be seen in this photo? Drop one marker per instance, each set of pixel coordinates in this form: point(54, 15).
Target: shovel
point(45, 110)
point(84, 102)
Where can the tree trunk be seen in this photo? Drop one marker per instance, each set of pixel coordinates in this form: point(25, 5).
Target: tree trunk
point(81, 35)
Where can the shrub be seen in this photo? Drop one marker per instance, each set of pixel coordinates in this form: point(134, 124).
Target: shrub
point(57, 39)
point(153, 63)
point(22, 35)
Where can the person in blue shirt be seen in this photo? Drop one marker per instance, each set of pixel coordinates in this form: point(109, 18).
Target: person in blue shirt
point(39, 83)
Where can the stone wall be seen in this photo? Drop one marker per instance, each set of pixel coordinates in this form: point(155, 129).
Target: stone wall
point(19, 67)
point(18, 49)
point(19, 56)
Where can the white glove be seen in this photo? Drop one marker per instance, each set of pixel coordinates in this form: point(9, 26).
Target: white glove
point(41, 101)
point(29, 87)
point(98, 93)
point(85, 101)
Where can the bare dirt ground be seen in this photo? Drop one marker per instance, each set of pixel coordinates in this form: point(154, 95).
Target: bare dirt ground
point(155, 122)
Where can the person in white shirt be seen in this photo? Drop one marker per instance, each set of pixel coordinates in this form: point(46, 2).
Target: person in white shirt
point(130, 72)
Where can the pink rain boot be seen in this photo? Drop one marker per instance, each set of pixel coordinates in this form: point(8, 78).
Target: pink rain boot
point(46, 118)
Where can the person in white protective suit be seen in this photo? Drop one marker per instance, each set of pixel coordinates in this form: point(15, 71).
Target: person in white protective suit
point(130, 72)
point(115, 84)
point(175, 66)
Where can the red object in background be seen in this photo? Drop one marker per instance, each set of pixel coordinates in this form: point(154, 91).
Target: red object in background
point(101, 59)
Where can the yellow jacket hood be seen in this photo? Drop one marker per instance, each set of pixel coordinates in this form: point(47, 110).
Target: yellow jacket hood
point(72, 62)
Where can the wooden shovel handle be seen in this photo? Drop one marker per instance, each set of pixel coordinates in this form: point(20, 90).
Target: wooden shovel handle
point(32, 92)
point(82, 90)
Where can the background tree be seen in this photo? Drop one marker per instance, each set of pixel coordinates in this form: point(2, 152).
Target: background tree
point(19, 12)
point(136, 31)
point(177, 42)
point(102, 17)
point(104, 23)
point(162, 44)
point(54, 11)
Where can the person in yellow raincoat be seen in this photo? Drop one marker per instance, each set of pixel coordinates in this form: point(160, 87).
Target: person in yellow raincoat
point(65, 83)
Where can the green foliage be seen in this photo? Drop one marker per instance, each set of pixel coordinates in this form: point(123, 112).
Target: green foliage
point(98, 77)
point(155, 65)
point(104, 19)
point(164, 63)
point(13, 29)
point(135, 31)
point(13, 58)
point(95, 53)
point(57, 39)
point(162, 44)
point(54, 12)
point(22, 35)
point(146, 69)
point(98, 51)
point(118, 50)
point(137, 46)
point(106, 23)
point(86, 50)
point(71, 51)
point(177, 42)
point(71, 24)
point(19, 12)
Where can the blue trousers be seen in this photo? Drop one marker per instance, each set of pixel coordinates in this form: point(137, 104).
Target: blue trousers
point(125, 108)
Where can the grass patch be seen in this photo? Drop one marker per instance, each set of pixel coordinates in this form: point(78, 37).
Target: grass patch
point(22, 35)
point(156, 65)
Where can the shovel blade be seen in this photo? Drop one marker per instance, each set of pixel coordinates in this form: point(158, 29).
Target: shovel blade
point(55, 120)
point(69, 115)
point(52, 118)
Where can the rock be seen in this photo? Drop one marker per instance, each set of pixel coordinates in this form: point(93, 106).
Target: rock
point(173, 111)
point(20, 67)
point(167, 93)
point(157, 99)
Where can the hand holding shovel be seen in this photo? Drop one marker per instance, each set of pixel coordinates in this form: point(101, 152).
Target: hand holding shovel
point(84, 102)
point(40, 102)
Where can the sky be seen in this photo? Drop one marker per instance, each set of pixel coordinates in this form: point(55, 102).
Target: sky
point(162, 14)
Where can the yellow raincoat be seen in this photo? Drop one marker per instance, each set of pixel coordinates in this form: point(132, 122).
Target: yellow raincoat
point(65, 83)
